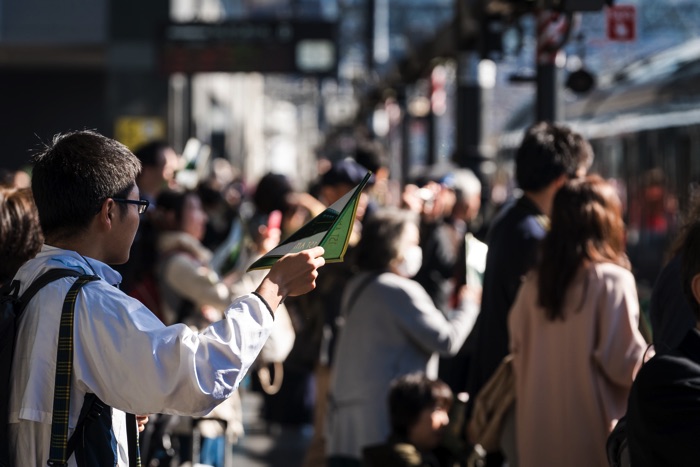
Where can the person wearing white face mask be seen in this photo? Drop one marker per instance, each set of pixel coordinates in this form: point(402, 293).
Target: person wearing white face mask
point(391, 327)
point(411, 261)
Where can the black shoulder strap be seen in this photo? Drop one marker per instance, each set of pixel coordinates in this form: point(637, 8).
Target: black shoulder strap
point(58, 454)
point(43, 280)
point(358, 290)
point(19, 305)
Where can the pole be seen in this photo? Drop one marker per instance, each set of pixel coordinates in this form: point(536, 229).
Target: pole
point(469, 111)
point(552, 33)
point(470, 46)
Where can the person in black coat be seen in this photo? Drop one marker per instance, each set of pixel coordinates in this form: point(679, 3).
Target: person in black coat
point(663, 414)
point(670, 312)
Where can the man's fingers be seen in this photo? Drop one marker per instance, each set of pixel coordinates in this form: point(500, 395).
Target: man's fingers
point(314, 256)
point(141, 420)
point(315, 252)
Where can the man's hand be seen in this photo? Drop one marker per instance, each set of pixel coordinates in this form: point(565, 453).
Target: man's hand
point(141, 421)
point(293, 274)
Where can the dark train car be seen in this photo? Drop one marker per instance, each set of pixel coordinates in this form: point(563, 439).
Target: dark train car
point(644, 126)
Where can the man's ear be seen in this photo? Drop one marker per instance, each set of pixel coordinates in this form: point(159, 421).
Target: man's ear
point(695, 287)
point(105, 216)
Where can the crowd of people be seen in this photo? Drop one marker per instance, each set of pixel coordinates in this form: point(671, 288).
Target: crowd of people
point(384, 353)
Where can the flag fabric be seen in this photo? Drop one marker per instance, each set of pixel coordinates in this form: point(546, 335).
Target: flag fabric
point(331, 229)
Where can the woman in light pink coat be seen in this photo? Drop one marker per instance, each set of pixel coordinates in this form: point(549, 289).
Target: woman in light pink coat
point(574, 332)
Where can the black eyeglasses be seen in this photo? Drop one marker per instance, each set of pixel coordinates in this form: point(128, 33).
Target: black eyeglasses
point(141, 203)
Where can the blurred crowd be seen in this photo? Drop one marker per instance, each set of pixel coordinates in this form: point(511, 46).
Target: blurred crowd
point(387, 355)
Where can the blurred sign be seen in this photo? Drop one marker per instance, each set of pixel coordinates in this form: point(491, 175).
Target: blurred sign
point(132, 132)
point(621, 23)
point(581, 5)
point(264, 46)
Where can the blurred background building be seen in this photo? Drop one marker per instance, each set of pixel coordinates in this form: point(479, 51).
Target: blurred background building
point(278, 83)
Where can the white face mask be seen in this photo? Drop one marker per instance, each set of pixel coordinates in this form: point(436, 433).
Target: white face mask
point(411, 262)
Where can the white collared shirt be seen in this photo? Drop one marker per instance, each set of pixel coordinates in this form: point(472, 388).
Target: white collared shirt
point(122, 353)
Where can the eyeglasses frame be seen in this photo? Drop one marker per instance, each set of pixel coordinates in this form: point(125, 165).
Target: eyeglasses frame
point(141, 203)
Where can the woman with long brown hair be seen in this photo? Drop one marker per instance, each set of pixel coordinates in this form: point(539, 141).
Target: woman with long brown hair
point(574, 332)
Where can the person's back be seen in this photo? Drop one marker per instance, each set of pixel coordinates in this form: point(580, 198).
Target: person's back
point(573, 375)
point(669, 312)
point(663, 414)
point(574, 332)
point(548, 155)
point(513, 240)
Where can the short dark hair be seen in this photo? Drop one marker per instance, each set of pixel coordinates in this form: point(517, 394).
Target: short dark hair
point(412, 393)
point(20, 234)
point(75, 174)
point(690, 265)
point(380, 241)
point(547, 152)
point(370, 155)
point(173, 201)
point(148, 152)
point(271, 193)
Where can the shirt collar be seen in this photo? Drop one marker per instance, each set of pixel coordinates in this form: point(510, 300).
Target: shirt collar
point(58, 257)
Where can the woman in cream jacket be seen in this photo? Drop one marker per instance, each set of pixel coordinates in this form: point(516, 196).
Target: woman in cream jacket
point(574, 332)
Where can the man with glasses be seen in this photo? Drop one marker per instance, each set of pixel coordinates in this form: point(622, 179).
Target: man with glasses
point(89, 206)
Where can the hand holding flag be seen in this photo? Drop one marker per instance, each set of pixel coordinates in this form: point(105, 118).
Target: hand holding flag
point(331, 229)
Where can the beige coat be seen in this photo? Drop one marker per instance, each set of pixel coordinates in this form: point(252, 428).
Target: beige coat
point(573, 376)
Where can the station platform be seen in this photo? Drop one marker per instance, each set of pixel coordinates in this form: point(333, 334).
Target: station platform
point(268, 446)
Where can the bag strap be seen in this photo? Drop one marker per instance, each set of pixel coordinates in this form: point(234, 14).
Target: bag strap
point(132, 435)
point(49, 276)
point(11, 290)
point(93, 408)
point(58, 454)
point(358, 290)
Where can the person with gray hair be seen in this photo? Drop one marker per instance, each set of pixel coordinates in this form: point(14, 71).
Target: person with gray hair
point(442, 237)
point(444, 253)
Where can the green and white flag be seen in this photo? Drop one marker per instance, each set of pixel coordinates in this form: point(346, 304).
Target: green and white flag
point(331, 229)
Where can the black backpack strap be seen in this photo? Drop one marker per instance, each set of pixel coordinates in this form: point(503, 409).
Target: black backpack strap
point(20, 303)
point(132, 435)
point(42, 281)
point(92, 409)
point(58, 454)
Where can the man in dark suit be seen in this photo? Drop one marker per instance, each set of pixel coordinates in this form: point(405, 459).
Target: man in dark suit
point(663, 414)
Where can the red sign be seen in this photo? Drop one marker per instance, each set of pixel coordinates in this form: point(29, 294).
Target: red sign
point(622, 23)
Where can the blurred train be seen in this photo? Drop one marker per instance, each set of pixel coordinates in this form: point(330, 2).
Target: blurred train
point(644, 125)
